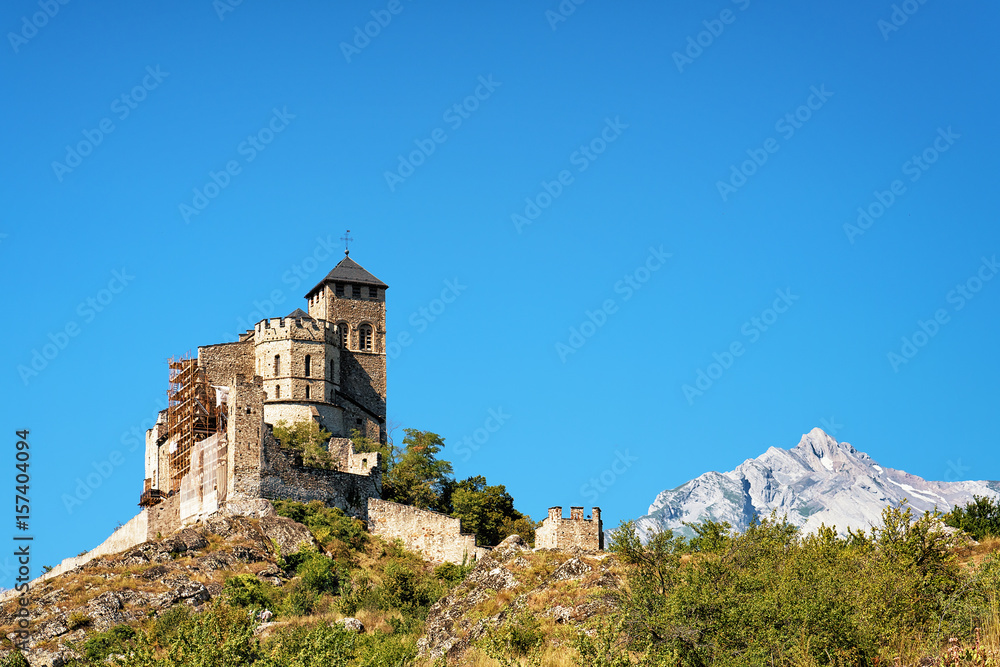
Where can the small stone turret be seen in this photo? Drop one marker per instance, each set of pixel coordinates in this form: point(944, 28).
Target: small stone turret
point(576, 531)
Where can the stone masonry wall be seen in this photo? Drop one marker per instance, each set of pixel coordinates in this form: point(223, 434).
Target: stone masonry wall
point(245, 431)
point(225, 361)
point(559, 533)
point(284, 477)
point(437, 536)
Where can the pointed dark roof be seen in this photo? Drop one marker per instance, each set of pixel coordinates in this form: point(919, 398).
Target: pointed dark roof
point(349, 271)
point(298, 314)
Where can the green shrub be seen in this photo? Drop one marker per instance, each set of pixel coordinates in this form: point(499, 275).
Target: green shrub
point(15, 659)
point(517, 637)
point(77, 619)
point(246, 590)
point(406, 589)
point(328, 525)
point(114, 641)
point(322, 646)
point(308, 439)
point(451, 574)
point(980, 518)
point(167, 623)
point(379, 650)
point(299, 601)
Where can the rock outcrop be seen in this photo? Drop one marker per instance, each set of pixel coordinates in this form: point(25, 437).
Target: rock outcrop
point(529, 580)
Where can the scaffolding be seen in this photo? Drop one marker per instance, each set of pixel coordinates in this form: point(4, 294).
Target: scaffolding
point(193, 413)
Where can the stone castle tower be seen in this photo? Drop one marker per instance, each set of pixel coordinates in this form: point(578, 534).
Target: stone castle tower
point(214, 443)
point(353, 302)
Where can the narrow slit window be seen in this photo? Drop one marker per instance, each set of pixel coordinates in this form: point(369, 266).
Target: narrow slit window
point(277, 391)
point(308, 365)
point(307, 392)
point(277, 364)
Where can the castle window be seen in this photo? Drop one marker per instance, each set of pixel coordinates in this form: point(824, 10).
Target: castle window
point(277, 391)
point(308, 368)
point(342, 330)
point(372, 292)
point(332, 369)
point(277, 364)
point(365, 337)
point(356, 291)
point(307, 392)
point(339, 290)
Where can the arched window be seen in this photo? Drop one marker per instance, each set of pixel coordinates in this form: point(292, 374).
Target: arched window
point(308, 366)
point(365, 337)
point(277, 364)
point(307, 392)
point(277, 391)
point(342, 330)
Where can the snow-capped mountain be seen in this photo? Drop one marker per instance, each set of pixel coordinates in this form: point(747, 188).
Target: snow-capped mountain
point(819, 481)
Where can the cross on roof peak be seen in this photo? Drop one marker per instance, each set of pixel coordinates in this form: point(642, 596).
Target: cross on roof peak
point(346, 238)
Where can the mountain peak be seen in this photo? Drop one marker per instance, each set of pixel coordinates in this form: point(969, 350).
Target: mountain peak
point(817, 481)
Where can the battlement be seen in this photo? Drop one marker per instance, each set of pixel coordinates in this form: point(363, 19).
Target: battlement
point(576, 531)
point(285, 328)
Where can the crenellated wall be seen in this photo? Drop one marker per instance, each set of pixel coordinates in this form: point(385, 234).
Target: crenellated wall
point(576, 531)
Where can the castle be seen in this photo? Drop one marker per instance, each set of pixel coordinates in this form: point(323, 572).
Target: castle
point(214, 450)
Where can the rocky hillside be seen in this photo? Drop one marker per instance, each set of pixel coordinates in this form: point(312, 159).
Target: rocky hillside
point(819, 481)
point(334, 590)
point(186, 568)
point(543, 594)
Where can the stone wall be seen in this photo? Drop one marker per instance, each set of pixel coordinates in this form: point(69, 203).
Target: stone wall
point(576, 531)
point(245, 432)
point(126, 536)
point(225, 361)
point(284, 477)
point(436, 536)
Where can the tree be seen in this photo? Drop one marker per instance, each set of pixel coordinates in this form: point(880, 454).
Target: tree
point(419, 478)
point(308, 439)
point(489, 512)
point(980, 518)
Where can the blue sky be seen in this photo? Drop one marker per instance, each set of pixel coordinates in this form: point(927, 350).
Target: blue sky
point(618, 197)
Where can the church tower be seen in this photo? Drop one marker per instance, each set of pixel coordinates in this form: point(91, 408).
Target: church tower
point(351, 301)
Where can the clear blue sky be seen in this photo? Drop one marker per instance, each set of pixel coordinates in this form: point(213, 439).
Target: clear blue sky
point(622, 146)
